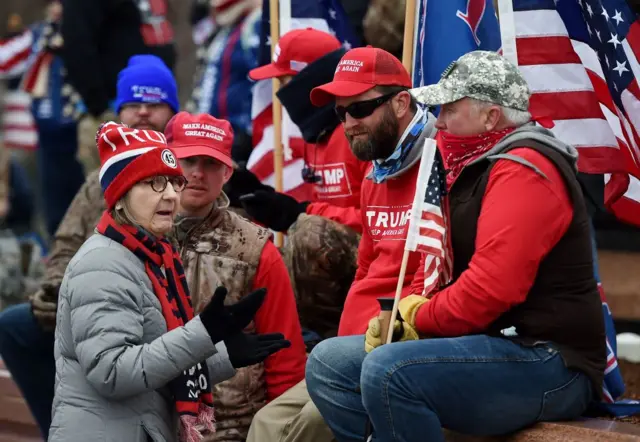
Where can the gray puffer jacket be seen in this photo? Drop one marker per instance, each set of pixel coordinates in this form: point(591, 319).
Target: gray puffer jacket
point(114, 356)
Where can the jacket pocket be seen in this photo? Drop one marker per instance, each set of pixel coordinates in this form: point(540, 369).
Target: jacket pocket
point(568, 401)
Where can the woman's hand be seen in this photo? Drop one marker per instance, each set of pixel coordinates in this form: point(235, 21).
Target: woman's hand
point(248, 349)
point(223, 321)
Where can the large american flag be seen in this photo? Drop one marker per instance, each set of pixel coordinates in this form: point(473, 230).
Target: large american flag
point(324, 15)
point(428, 224)
point(580, 58)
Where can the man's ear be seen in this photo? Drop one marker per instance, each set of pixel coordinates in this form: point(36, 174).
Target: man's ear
point(494, 115)
point(228, 171)
point(402, 104)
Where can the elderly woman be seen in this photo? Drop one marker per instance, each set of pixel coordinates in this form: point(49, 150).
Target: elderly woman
point(130, 355)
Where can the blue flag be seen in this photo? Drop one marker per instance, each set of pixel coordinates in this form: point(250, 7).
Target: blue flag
point(449, 29)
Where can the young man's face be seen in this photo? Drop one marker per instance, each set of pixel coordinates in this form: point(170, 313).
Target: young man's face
point(154, 116)
point(205, 176)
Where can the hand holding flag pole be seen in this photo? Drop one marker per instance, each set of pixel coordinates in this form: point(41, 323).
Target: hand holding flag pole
point(427, 231)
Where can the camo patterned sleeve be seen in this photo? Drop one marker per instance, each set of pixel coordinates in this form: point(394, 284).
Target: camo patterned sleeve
point(76, 226)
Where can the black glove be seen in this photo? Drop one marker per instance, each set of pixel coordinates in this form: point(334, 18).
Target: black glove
point(44, 305)
point(222, 321)
point(248, 349)
point(241, 183)
point(275, 210)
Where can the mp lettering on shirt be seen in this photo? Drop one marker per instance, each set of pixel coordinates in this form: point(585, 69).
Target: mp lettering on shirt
point(349, 66)
point(388, 222)
point(333, 181)
point(204, 131)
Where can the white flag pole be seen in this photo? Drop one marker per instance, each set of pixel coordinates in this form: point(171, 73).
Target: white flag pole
point(426, 164)
point(407, 61)
point(507, 23)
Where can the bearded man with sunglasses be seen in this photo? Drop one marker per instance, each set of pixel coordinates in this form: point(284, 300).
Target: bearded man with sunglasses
point(386, 127)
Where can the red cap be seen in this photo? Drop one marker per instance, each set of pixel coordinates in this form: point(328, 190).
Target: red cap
point(359, 70)
point(190, 135)
point(127, 156)
point(295, 50)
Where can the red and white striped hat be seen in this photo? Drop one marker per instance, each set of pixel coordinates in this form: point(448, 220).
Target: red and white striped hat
point(128, 156)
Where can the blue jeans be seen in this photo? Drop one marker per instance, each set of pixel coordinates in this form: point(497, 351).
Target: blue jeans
point(476, 385)
point(27, 352)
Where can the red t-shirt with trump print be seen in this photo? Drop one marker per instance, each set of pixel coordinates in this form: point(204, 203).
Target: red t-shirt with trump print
point(385, 210)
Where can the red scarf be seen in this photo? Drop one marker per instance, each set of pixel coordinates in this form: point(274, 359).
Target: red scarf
point(458, 151)
point(191, 390)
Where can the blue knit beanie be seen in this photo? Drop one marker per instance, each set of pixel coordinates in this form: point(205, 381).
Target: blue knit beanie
point(146, 79)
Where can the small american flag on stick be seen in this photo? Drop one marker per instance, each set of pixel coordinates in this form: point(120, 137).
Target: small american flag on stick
point(428, 225)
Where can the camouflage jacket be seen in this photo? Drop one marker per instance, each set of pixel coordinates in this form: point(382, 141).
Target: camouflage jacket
point(77, 225)
point(224, 249)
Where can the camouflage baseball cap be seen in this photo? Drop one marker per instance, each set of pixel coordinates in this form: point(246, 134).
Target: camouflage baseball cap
point(482, 75)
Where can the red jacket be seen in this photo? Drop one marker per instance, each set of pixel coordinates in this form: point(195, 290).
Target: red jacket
point(523, 216)
point(278, 314)
point(385, 217)
point(337, 194)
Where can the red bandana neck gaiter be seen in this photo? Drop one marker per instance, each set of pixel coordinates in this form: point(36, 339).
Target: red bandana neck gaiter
point(458, 151)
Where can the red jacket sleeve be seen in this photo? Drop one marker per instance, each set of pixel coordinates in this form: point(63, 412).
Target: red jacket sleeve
point(522, 218)
point(349, 216)
point(417, 284)
point(278, 314)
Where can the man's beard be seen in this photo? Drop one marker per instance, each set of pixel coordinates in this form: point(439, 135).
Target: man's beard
point(380, 143)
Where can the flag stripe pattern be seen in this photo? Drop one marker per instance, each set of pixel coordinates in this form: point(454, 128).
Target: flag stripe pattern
point(428, 225)
point(580, 60)
point(324, 15)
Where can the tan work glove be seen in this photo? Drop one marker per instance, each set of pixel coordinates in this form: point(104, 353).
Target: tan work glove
point(409, 306)
point(87, 130)
point(44, 306)
point(401, 332)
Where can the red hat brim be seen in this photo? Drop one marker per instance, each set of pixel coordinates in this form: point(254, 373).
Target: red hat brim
point(197, 150)
point(326, 93)
point(269, 71)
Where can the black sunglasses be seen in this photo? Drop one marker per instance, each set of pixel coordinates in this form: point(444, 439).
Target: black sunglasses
point(362, 109)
